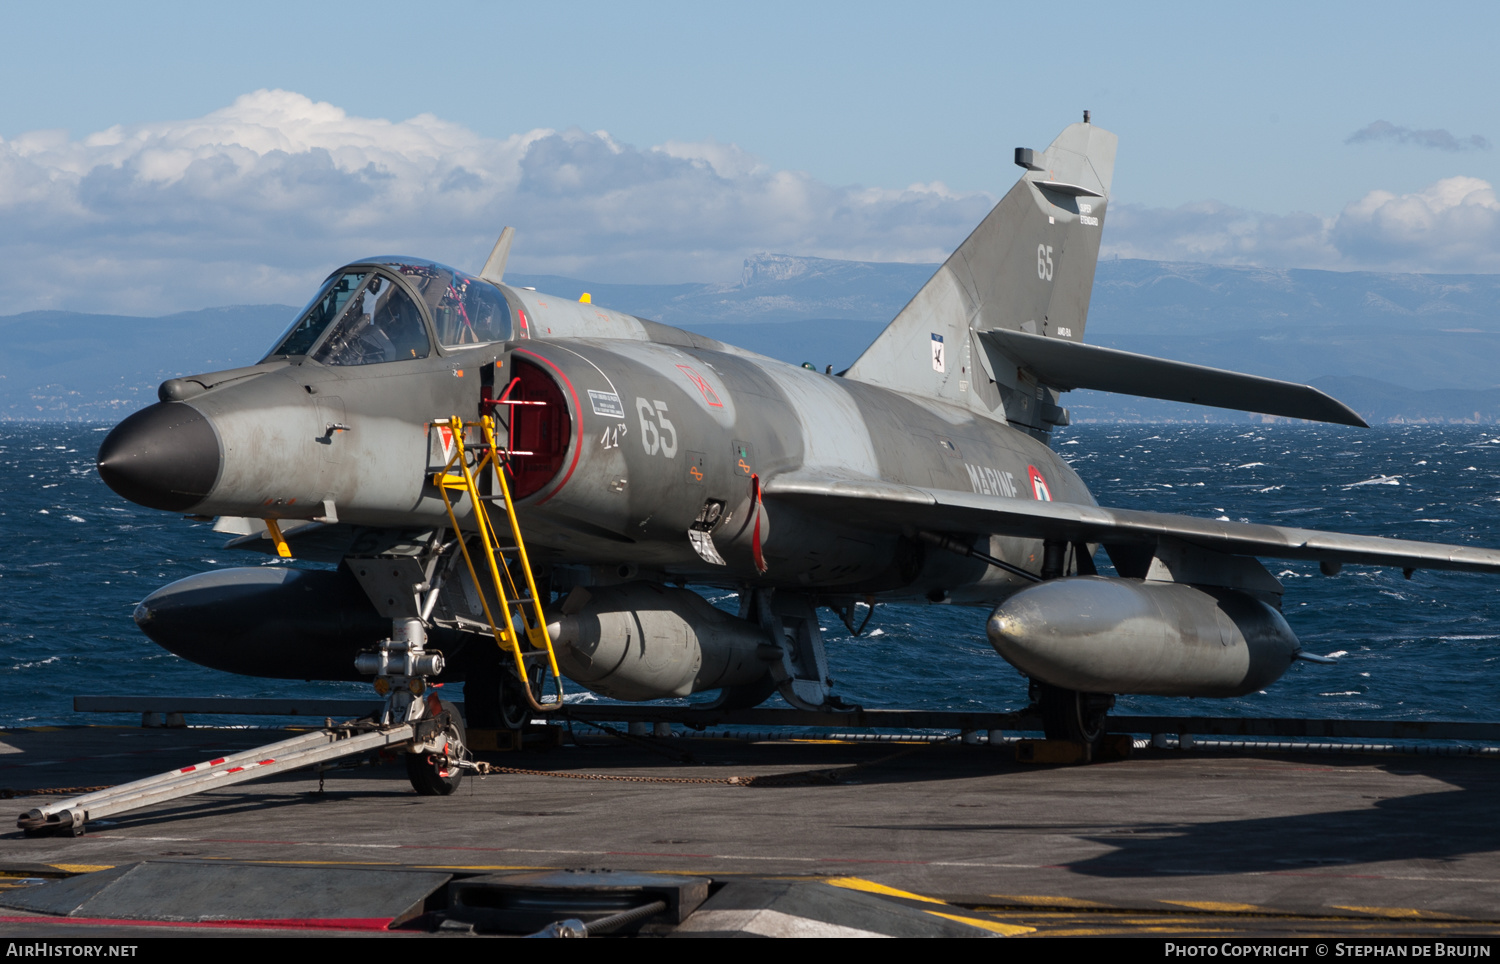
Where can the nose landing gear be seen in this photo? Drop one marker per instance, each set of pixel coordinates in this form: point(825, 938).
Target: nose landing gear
point(436, 768)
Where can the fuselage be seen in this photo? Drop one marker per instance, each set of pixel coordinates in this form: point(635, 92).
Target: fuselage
point(626, 436)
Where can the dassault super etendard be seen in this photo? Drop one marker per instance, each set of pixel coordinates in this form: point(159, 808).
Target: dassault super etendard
point(412, 411)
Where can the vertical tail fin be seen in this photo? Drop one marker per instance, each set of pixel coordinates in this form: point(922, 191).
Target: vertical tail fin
point(1029, 266)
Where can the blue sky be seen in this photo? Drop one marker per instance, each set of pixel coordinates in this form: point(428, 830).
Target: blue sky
point(665, 142)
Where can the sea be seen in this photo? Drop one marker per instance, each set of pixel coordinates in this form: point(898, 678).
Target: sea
point(77, 559)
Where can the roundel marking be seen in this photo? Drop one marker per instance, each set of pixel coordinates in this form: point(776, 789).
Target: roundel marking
point(1039, 485)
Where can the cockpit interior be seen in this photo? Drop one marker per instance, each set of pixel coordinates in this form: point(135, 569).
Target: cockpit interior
point(388, 309)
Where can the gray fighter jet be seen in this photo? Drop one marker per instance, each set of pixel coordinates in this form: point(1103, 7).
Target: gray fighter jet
point(640, 459)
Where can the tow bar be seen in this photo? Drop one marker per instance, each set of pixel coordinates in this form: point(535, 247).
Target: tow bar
point(433, 744)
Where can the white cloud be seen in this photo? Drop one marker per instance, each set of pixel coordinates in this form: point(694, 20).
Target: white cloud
point(1211, 232)
point(257, 201)
point(726, 160)
point(1452, 226)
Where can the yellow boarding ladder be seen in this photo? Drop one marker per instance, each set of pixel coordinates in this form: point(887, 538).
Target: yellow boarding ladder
point(459, 476)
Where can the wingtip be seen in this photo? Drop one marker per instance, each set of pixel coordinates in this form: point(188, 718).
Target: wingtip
point(1349, 416)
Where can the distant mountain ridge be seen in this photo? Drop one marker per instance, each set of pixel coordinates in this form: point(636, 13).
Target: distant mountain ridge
point(1166, 296)
point(772, 287)
point(1146, 297)
point(1422, 337)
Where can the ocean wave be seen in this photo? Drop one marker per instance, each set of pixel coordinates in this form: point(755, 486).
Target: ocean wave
point(40, 662)
point(1377, 480)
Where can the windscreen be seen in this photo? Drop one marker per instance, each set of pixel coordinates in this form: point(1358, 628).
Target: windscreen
point(382, 324)
point(327, 305)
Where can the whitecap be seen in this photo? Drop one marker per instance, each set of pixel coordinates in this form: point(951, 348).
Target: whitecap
point(1378, 480)
point(1337, 653)
point(40, 662)
point(1250, 465)
point(877, 632)
point(75, 518)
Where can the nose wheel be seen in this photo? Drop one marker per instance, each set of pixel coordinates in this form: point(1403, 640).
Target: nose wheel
point(436, 769)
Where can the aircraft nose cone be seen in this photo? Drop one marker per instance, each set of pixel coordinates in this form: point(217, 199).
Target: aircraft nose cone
point(163, 457)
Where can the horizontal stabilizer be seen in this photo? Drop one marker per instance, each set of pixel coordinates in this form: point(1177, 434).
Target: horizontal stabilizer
point(900, 508)
point(1066, 365)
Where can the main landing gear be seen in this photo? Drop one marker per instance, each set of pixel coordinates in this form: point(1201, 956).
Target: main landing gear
point(1071, 715)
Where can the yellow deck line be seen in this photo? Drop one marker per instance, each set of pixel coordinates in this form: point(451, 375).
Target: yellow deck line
point(870, 887)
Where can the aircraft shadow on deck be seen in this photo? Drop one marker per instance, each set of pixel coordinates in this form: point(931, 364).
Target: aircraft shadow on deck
point(1443, 825)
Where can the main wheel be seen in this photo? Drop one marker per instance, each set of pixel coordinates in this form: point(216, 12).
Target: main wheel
point(430, 776)
point(1071, 715)
point(515, 709)
point(744, 697)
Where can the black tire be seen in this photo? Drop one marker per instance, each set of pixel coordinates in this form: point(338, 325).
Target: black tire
point(515, 709)
point(744, 697)
point(427, 775)
point(1071, 715)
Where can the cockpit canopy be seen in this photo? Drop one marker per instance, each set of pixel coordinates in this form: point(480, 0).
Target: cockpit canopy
point(386, 309)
